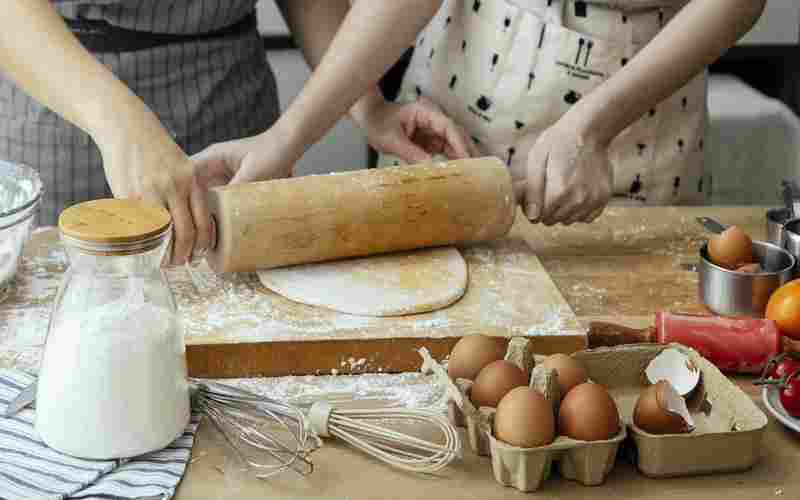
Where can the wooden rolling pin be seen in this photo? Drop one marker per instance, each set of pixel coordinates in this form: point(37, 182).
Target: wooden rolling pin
point(325, 217)
point(734, 345)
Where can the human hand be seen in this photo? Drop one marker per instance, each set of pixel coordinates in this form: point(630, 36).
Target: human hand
point(415, 132)
point(569, 177)
point(257, 158)
point(159, 172)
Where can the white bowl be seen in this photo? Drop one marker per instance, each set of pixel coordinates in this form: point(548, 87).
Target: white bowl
point(20, 193)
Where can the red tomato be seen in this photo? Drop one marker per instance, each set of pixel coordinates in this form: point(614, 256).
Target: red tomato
point(790, 395)
point(783, 368)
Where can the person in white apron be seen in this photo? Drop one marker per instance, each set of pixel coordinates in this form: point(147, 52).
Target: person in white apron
point(582, 99)
point(105, 96)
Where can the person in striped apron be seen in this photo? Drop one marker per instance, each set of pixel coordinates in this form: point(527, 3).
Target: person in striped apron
point(584, 100)
point(146, 82)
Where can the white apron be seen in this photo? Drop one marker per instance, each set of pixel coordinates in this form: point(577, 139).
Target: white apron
point(506, 71)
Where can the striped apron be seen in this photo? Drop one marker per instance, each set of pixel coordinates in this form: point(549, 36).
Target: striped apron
point(204, 91)
point(506, 70)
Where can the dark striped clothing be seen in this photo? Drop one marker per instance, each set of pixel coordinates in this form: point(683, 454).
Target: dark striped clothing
point(160, 16)
point(203, 91)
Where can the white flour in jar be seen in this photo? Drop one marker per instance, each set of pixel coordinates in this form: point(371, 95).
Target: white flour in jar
point(113, 381)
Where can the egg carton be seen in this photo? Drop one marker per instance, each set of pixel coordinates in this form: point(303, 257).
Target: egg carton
point(526, 468)
point(729, 426)
point(727, 438)
point(461, 412)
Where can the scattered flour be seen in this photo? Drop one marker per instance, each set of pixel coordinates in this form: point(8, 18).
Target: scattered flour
point(407, 390)
point(113, 380)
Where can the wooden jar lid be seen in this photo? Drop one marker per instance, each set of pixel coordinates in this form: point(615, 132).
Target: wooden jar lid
point(114, 221)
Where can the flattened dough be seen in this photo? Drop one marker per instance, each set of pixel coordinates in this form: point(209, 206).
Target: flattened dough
point(383, 285)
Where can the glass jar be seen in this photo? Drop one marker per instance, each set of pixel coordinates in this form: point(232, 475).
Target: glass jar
point(113, 381)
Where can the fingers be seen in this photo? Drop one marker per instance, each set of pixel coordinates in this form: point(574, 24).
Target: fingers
point(202, 221)
point(454, 143)
point(408, 151)
point(473, 148)
point(594, 215)
point(568, 214)
point(246, 173)
point(183, 228)
point(457, 146)
point(520, 188)
point(578, 208)
point(537, 181)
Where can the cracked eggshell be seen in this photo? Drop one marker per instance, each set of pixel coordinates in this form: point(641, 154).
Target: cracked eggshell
point(676, 368)
point(661, 410)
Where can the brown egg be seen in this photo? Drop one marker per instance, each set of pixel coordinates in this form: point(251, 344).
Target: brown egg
point(524, 419)
point(570, 372)
point(472, 353)
point(495, 381)
point(659, 410)
point(588, 413)
point(750, 268)
point(732, 249)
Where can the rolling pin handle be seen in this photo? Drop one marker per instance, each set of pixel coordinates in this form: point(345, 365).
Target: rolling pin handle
point(609, 335)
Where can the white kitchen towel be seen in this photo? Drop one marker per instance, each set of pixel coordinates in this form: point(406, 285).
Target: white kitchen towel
point(29, 470)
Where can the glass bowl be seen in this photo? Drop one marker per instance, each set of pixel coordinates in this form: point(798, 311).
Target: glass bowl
point(20, 193)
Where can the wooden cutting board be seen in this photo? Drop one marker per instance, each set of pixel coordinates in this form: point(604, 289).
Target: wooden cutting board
point(237, 328)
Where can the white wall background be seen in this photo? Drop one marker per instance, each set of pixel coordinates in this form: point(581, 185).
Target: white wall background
point(780, 24)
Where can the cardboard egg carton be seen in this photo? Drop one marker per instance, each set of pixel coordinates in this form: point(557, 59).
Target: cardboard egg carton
point(526, 468)
point(461, 411)
point(729, 426)
point(727, 438)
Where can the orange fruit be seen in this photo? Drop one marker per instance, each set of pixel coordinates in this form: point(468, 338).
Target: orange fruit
point(784, 309)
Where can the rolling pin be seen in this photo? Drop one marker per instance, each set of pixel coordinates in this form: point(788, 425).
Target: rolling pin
point(318, 218)
point(743, 345)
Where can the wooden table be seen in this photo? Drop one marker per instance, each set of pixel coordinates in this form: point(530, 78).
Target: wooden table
point(625, 267)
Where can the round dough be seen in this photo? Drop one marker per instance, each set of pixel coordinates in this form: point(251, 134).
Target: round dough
point(394, 284)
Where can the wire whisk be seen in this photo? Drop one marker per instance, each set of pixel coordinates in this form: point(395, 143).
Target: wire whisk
point(269, 436)
point(369, 430)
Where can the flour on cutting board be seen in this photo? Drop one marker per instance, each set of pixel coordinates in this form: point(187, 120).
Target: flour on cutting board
point(410, 390)
point(508, 293)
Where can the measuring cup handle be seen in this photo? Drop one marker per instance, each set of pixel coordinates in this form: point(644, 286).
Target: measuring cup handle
point(711, 225)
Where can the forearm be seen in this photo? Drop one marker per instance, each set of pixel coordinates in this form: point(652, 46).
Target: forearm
point(44, 58)
point(349, 60)
point(698, 35)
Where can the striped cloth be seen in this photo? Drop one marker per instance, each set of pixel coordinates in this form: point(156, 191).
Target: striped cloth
point(29, 470)
point(203, 91)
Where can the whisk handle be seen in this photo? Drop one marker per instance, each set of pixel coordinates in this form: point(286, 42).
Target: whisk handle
point(318, 416)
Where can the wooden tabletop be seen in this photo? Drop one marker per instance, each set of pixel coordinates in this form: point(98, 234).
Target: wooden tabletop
point(625, 267)
point(342, 473)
